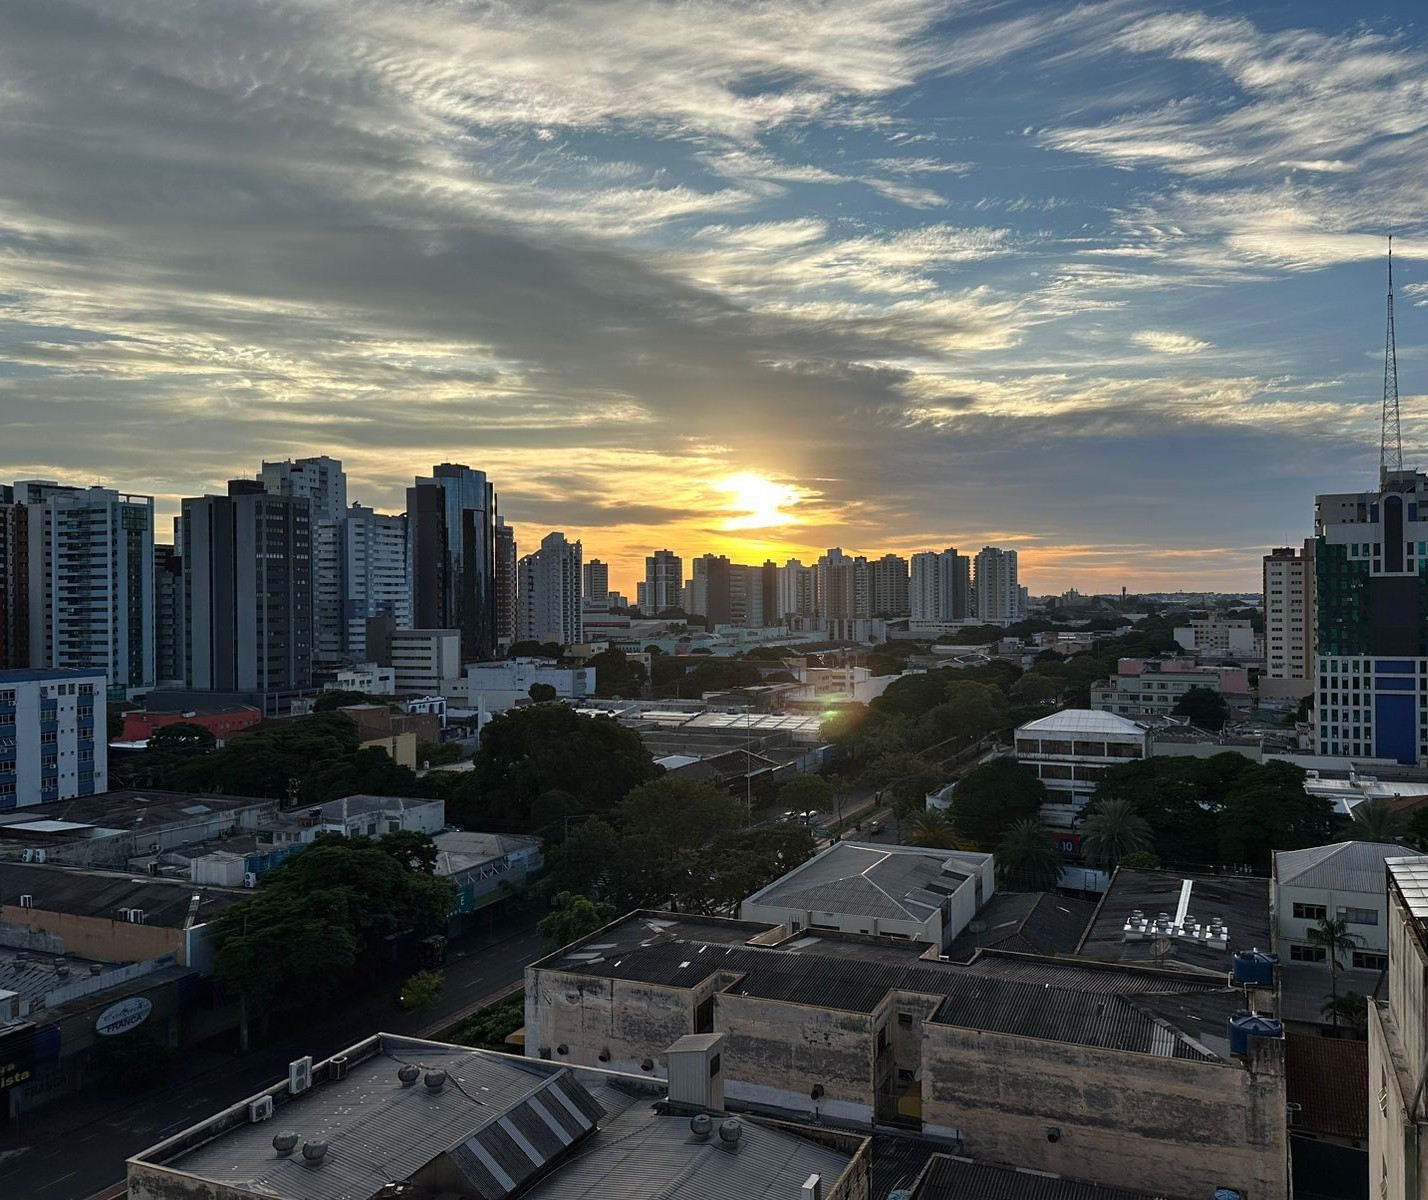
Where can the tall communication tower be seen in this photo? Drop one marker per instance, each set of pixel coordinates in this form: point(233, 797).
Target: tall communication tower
point(1390, 454)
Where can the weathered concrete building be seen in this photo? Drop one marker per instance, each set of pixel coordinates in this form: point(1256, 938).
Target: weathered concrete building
point(1120, 1074)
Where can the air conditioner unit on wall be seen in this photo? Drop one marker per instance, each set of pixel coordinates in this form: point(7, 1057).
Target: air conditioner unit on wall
point(260, 1109)
point(300, 1075)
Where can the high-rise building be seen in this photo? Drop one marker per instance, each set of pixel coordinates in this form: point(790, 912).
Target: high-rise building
point(549, 600)
point(710, 594)
point(595, 580)
point(941, 587)
point(1289, 612)
point(835, 585)
point(247, 573)
point(995, 591)
point(376, 575)
point(90, 585)
point(53, 743)
point(322, 482)
point(168, 615)
point(886, 590)
point(14, 582)
point(796, 593)
point(664, 582)
point(507, 592)
point(1371, 639)
point(451, 518)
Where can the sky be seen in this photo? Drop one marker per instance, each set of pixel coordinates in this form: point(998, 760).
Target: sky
point(1101, 283)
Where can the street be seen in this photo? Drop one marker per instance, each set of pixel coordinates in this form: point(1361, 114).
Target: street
point(78, 1145)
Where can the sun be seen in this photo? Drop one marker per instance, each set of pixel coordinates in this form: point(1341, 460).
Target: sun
point(758, 502)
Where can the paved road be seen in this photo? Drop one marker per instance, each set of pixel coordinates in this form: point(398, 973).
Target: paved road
point(78, 1146)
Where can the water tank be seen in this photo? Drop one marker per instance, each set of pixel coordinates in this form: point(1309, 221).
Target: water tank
point(1245, 1025)
point(1255, 968)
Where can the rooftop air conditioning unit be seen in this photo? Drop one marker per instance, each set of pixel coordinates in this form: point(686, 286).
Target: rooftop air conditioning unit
point(27, 856)
point(39, 856)
point(300, 1075)
point(260, 1109)
point(27, 901)
point(250, 879)
point(134, 915)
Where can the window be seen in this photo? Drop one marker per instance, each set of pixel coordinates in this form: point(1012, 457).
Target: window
point(1310, 912)
point(1306, 953)
point(1367, 960)
point(905, 1020)
point(1358, 916)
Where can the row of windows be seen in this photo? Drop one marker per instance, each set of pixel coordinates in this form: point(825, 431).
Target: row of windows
point(1320, 912)
point(1363, 960)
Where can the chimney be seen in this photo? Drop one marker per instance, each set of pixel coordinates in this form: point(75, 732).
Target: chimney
point(696, 1071)
point(812, 1188)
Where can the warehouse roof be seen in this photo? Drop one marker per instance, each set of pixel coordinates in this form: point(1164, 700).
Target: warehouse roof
point(1026, 922)
point(1084, 721)
point(1340, 867)
point(164, 903)
point(951, 1178)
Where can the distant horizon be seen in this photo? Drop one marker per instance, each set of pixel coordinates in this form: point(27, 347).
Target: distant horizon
point(1102, 283)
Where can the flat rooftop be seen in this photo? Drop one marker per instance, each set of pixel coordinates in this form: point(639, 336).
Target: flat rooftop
point(1025, 922)
point(1240, 902)
point(497, 1125)
point(91, 893)
point(108, 813)
point(1133, 1009)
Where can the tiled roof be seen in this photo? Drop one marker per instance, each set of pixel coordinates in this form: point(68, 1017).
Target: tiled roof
point(1328, 1079)
point(1340, 867)
point(950, 1178)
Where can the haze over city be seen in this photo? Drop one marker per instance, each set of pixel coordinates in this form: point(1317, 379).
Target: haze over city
point(1100, 284)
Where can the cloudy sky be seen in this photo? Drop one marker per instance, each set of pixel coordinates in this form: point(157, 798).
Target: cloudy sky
point(1101, 283)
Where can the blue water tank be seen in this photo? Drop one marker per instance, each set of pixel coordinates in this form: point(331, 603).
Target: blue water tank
point(1255, 968)
point(1245, 1025)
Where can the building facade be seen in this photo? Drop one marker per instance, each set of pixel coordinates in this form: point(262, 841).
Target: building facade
point(1071, 750)
point(1153, 687)
point(797, 596)
point(247, 575)
point(941, 586)
point(53, 735)
point(451, 520)
point(549, 600)
point(664, 582)
point(507, 592)
point(423, 659)
point(996, 594)
point(322, 482)
point(595, 580)
point(1371, 621)
point(1289, 612)
point(376, 575)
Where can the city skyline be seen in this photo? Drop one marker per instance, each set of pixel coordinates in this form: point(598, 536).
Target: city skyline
point(1102, 285)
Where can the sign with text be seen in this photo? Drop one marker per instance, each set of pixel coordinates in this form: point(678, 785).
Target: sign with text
point(124, 1016)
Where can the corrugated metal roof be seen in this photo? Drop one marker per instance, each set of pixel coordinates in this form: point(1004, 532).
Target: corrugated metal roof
point(1340, 867)
point(1328, 1078)
point(1084, 720)
point(950, 1178)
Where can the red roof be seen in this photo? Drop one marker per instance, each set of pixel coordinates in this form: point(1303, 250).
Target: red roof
point(1328, 1079)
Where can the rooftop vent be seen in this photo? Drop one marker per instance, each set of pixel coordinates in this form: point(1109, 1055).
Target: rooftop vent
point(731, 1131)
point(337, 1067)
point(812, 1188)
point(314, 1150)
point(701, 1125)
point(435, 1080)
point(409, 1075)
point(286, 1142)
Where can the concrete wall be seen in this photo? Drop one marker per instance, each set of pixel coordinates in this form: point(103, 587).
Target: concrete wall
point(622, 1021)
point(89, 937)
point(1165, 1126)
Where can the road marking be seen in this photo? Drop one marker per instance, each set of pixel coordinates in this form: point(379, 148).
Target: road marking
point(56, 1182)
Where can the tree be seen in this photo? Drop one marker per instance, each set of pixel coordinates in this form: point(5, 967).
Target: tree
point(415, 851)
point(533, 649)
point(1205, 708)
point(539, 748)
point(182, 738)
point(437, 754)
point(1351, 1008)
point(1027, 859)
point(806, 793)
point(423, 989)
point(1266, 810)
point(1179, 799)
point(616, 674)
point(1113, 831)
point(573, 917)
point(1336, 939)
point(1035, 688)
point(1376, 822)
point(369, 772)
point(489, 1028)
point(543, 693)
point(1141, 860)
point(992, 798)
point(934, 830)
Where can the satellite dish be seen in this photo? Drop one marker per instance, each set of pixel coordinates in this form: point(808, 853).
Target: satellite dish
point(1160, 948)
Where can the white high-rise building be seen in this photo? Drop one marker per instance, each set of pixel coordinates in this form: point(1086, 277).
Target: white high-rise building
point(1289, 613)
point(376, 575)
point(322, 482)
point(91, 580)
point(796, 594)
point(664, 582)
point(549, 600)
point(941, 586)
point(595, 580)
point(994, 586)
point(835, 585)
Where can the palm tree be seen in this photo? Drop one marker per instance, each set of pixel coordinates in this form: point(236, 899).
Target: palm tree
point(1114, 830)
point(934, 830)
point(1028, 859)
point(1335, 938)
point(1376, 822)
point(1351, 1006)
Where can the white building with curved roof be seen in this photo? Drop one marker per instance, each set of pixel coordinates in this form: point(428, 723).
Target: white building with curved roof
point(1070, 751)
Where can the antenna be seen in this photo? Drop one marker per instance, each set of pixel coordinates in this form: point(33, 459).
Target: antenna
point(1390, 455)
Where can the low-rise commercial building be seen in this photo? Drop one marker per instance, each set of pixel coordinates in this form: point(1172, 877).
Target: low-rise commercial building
point(52, 735)
point(911, 892)
point(1122, 1074)
point(220, 718)
point(1070, 751)
point(1153, 687)
point(497, 686)
point(486, 868)
point(1217, 636)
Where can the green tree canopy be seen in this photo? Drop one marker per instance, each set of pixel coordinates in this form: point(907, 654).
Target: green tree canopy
point(573, 917)
point(1376, 821)
point(992, 798)
point(803, 793)
point(1205, 708)
point(1114, 831)
point(616, 674)
point(540, 748)
point(1267, 810)
point(369, 772)
point(1027, 858)
point(534, 649)
point(182, 738)
point(542, 693)
point(264, 760)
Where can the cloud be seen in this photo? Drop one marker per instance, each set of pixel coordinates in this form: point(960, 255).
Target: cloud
point(1170, 343)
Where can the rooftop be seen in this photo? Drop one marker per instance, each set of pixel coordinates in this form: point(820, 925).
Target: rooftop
point(951, 1178)
point(1340, 867)
point(1328, 1079)
point(1025, 922)
point(164, 903)
point(1123, 1008)
point(458, 852)
point(1410, 877)
point(1240, 903)
point(45, 674)
point(494, 1126)
point(1084, 720)
point(896, 883)
point(114, 812)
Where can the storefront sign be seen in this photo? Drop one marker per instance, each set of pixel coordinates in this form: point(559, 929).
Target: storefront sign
point(12, 1074)
point(124, 1016)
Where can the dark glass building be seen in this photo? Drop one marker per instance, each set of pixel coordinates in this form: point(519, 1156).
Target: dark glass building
point(451, 518)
